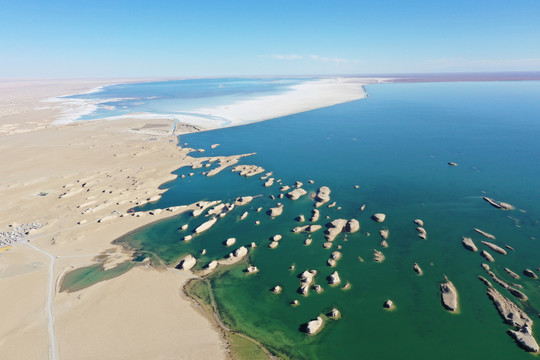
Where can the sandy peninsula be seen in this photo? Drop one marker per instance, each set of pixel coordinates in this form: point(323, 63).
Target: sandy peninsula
point(78, 180)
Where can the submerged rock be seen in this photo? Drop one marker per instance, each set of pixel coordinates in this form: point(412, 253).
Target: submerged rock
point(449, 295)
point(469, 244)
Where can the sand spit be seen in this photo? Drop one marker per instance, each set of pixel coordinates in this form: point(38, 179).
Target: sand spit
point(303, 97)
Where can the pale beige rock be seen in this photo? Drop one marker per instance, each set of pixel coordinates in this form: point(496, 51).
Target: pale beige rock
point(384, 233)
point(487, 256)
point(323, 196)
point(379, 217)
point(230, 242)
point(417, 269)
point(333, 279)
point(469, 244)
point(378, 256)
point(449, 295)
point(187, 263)
point(494, 247)
point(296, 193)
point(419, 222)
point(334, 228)
point(315, 214)
point(205, 226)
point(352, 226)
point(275, 211)
point(489, 236)
point(313, 326)
point(269, 182)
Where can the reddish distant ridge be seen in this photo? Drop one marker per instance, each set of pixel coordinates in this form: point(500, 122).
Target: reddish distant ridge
point(448, 77)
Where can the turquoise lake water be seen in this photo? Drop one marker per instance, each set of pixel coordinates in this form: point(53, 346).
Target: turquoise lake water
point(395, 146)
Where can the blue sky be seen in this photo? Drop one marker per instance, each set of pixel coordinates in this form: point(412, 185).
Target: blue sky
point(136, 38)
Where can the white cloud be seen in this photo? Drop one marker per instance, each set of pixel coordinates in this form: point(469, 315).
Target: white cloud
point(287, 56)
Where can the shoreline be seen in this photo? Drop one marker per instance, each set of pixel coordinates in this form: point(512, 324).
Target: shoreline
point(309, 95)
point(118, 169)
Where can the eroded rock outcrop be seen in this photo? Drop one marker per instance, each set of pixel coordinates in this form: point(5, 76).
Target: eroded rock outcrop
point(314, 326)
point(333, 279)
point(498, 204)
point(494, 247)
point(489, 236)
point(487, 256)
point(449, 295)
point(187, 263)
point(469, 244)
point(379, 217)
point(323, 196)
point(275, 211)
point(306, 228)
point(334, 228)
point(516, 317)
point(315, 214)
point(205, 226)
point(378, 256)
point(296, 193)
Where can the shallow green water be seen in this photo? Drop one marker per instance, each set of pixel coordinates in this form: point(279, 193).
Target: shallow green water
point(84, 277)
point(395, 146)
